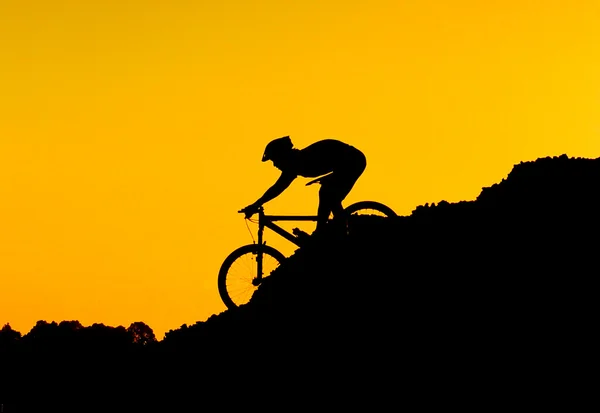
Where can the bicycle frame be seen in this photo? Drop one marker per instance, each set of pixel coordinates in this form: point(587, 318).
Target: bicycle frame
point(268, 221)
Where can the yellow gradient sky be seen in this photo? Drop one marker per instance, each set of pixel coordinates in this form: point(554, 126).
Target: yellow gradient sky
point(131, 131)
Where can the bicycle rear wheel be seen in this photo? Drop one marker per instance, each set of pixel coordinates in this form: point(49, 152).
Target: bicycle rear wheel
point(365, 213)
point(239, 272)
point(370, 208)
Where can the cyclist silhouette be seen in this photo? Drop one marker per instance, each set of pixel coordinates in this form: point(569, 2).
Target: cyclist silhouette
point(337, 164)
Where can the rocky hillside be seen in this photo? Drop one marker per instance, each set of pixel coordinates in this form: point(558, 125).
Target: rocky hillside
point(469, 299)
point(487, 288)
point(505, 254)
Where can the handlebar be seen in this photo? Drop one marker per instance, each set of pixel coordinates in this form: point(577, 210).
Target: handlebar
point(242, 211)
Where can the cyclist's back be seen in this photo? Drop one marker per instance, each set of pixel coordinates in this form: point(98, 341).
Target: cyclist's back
point(325, 156)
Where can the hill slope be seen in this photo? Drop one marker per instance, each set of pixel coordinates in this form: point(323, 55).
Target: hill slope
point(495, 289)
point(533, 234)
point(459, 299)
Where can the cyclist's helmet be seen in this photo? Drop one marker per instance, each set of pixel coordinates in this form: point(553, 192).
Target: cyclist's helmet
point(276, 147)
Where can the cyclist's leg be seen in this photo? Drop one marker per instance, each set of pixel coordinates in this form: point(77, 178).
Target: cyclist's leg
point(325, 206)
point(343, 184)
point(334, 189)
point(331, 195)
point(344, 181)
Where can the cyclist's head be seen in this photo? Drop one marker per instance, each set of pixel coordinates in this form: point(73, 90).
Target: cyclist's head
point(277, 148)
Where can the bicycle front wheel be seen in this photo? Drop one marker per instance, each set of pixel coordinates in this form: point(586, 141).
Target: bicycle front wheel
point(238, 276)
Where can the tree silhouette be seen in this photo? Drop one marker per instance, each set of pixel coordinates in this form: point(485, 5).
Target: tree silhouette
point(104, 339)
point(70, 325)
point(43, 335)
point(8, 337)
point(141, 333)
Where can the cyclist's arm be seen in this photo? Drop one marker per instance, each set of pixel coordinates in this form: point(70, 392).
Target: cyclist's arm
point(277, 188)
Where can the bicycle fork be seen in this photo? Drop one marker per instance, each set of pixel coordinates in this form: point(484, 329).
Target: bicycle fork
point(259, 251)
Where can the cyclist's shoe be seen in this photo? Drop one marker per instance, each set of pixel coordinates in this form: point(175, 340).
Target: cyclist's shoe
point(301, 235)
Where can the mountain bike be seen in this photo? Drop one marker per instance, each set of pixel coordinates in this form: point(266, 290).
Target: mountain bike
point(245, 268)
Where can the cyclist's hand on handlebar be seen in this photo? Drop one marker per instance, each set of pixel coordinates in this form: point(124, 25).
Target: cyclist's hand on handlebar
point(250, 210)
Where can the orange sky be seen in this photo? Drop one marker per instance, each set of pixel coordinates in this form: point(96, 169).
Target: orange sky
point(131, 132)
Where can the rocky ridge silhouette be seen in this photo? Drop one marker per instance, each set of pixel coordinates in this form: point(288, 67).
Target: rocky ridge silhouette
point(475, 292)
point(533, 228)
point(483, 289)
